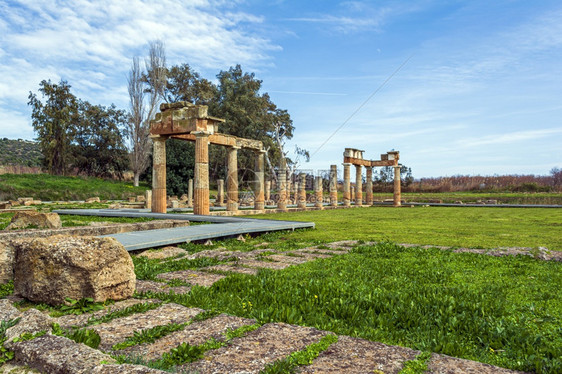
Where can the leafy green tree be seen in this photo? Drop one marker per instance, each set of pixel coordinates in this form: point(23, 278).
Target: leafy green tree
point(98, 143)
point(53, 122)
point(185, 84)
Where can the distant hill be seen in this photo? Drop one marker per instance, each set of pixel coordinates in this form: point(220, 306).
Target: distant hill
point(19, 152)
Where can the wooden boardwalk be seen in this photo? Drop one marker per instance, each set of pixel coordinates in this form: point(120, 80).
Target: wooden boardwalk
point(219, 227)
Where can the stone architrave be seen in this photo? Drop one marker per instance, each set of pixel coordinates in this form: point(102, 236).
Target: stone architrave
point(301, 202)
point(369, 186)
point(201, 191)
point(346, 184)
point(220, 193)
point(318, 191)
point(259, 202)
point(333, 185)
point(397, 192)
point(26, 219)
point(358, 185)
point(190, 193)
point(232, 180)
point(158, 174)
point(75, 268)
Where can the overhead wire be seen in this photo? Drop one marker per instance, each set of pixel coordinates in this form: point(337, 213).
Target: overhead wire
point(363, 104)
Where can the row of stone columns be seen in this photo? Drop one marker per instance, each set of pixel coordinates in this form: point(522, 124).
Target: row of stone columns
point(347, 191)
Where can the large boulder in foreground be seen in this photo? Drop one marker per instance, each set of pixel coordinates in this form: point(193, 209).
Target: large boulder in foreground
point(48, 270)
point(32, 219)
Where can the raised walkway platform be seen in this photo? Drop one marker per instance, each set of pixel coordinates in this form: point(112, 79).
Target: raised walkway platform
point(220, 227)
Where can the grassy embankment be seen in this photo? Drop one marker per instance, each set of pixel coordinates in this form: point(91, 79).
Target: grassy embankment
point(55, 188)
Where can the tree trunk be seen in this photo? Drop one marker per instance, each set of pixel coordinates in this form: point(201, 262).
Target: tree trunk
point(136, 179)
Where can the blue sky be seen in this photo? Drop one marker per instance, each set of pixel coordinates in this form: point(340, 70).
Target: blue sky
point(481, 92)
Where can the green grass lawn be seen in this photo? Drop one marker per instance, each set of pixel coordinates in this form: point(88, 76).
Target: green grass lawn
point(503, 311)
point(52, 188)
point(466, 227)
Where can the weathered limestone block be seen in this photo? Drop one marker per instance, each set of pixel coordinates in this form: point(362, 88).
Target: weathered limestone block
point(95, 199)
point(5, 205)
point(57, 354)
point(51, 269)
point(23, 200)
point(31, 321)
point(24, 219)
point(6, 262)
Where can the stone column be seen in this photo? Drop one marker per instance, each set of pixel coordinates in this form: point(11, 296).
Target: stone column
point(232, 180)
point(267, 191)
point(282, 178)
point(318, 191)
point(397, 193)
point(296, 191)
point(289, 187)
point(369, 186)
point(201, 193)
point(220, 193)
point(346, 184)
point(352, 190)
point(301, 201)
point(158, 174)
point(259, 200)
point(358, 185)
point(148, 199)
point(190, 193)
point(333, 185)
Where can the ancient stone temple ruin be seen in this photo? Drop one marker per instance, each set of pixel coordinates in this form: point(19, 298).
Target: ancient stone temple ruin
point(354, 157)
point(186, 121)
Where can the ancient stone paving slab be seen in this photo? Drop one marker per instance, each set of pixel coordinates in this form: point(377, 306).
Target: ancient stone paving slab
point(265, 264)
point(164, 253)
point(353, 355)
point(145, 286)
point(342, 245)
point(288, 259)
point(251, 353)
point(232, 269)
point(223, 254)
point(313, 256)
point(125, 369)
point(194, 334)
point(193, 277)
point(119, 329)
point(31, 321)
point(441, 364)
point(56, 354)
point(82, 319)
point(11, 368)
point(8, 311)
point(319, 252)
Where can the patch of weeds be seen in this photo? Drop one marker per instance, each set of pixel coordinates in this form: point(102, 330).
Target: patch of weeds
point(6, 289)
point(293, 254)
point(29, 336)
point(77, 307)
point(130, 310)
point(6, 354)
point(208, 314)
point(299, 358)
point(177, 283)
point(149, 335)
point(148, 269)
point(417, 365)
point(322, 246)
point(88, 337)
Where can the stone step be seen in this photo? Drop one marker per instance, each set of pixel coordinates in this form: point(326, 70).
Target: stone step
point(194, 334)
point(264, 264)
point(119, 329)
point(441, 364)
point(231, 269)
point(357, 356)
point(254, 351)
point(193, 277)
point(81, 319)
point(57, 354)
point(145, 286)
